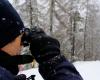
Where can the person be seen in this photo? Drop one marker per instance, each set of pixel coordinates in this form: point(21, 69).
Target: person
point(45, 49)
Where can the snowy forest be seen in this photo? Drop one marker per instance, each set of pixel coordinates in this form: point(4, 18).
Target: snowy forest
point(75, 23)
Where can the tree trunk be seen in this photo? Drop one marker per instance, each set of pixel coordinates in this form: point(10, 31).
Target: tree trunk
point(52, 5)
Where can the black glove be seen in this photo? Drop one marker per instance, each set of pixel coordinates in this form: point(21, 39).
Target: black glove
point(43, 47)
point(46, 51)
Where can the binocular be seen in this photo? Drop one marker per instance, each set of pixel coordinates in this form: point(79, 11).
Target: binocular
point(30, 34)
point(23, 77)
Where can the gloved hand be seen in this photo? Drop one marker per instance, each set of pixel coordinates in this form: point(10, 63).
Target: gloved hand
point(44, 47)
point(46, 51)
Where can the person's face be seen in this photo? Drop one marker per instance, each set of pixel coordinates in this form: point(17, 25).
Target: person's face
point(14, 47)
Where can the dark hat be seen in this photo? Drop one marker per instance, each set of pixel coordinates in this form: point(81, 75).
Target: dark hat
point(10, 23)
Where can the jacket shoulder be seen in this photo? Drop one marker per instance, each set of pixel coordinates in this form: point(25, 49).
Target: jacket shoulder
point(5, 74)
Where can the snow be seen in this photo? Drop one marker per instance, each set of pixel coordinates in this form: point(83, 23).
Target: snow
point(20, 2)
point(30, 72)
point(89, 70)
point(11, 1)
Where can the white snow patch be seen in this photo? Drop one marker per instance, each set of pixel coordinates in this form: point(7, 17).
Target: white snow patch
point(30, 72)
point(22, 2)
point(11, 1)
point(89, 70)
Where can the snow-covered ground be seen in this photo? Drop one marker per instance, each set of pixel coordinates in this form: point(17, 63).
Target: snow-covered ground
point(30, 72)
point(89, 70)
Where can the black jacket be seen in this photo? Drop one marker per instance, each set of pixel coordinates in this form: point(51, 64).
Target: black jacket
point(61, 71)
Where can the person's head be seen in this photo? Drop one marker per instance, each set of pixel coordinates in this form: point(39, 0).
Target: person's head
point(11, 27)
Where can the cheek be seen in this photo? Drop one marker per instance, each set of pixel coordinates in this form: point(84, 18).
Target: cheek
point(18, 46)
point(18, 50)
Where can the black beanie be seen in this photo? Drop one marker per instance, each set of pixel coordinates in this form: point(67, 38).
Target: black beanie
point(10, 23)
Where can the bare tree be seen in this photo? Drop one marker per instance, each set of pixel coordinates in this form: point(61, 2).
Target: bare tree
point(52, 6)
point(72, 22)
point(85, 29)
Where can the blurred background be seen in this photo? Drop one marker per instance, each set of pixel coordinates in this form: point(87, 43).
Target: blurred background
point(75, 23)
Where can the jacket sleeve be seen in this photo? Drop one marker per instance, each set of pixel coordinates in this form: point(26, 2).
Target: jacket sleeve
point(62, 70)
